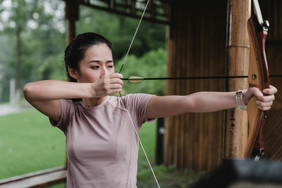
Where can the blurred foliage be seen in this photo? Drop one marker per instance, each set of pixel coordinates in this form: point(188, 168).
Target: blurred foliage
point(119, 30)
point(40, 38)
point(43, 39)
point(151, 64)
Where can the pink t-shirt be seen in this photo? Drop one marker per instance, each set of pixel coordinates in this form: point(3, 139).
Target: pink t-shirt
point(102, 146)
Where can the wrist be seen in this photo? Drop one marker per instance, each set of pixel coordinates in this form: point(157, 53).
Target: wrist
point(92, 90)
point(239, 98)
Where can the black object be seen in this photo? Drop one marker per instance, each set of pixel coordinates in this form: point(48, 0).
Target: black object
point(234, 171)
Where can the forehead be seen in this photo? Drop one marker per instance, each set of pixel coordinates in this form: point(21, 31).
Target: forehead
point(100, 51)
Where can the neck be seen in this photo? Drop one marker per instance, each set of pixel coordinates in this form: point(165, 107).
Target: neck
point(89, 102)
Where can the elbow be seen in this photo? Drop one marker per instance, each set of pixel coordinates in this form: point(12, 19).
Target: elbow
point(191, 105)
point(28, 91)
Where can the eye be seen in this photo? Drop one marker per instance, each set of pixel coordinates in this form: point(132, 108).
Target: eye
point(110, 65)
point(95, 67)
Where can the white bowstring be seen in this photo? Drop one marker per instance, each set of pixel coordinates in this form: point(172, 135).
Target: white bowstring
point(132, 124)
point(148, 161)
point(133, 38)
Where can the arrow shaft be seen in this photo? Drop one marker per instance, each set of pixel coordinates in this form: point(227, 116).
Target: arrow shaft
point(190, 78)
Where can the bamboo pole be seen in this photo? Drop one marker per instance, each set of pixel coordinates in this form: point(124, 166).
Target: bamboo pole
point(238, 49)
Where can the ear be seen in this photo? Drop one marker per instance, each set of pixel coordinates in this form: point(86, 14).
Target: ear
point(73, 72)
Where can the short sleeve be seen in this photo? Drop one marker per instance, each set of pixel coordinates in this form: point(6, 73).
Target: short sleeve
point(67, 107)
point(137, 105)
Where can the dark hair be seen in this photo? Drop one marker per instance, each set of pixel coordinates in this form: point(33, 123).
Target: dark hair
point(75, 51)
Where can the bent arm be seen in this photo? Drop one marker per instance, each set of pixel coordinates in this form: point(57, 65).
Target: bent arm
point(45, 95)
point(164, 106)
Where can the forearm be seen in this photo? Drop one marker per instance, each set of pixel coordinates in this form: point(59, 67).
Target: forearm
point(164, 106)
point(54, 89)
point(211, 101)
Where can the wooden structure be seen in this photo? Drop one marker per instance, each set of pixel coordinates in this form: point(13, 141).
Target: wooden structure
point(204, 38)
point(198, 40)
point(196, 47)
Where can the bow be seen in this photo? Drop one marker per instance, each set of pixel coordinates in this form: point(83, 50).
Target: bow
point(258, 77)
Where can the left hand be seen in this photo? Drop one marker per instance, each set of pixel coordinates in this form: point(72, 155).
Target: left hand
point(264, 99)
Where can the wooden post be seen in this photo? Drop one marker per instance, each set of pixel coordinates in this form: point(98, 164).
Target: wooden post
point(72, 15)
point(238, 49)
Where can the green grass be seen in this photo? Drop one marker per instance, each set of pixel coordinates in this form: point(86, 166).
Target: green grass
point(29, 143)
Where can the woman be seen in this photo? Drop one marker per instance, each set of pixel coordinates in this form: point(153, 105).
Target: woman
point(102, 144)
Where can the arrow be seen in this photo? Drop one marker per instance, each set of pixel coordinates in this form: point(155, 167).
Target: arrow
point(140, 79)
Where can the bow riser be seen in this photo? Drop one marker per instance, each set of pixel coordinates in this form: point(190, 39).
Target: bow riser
point(258, 77)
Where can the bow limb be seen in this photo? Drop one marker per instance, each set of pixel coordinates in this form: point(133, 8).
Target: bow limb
point(258, 77)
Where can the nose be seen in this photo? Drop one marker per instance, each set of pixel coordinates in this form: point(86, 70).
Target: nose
point(104, 71)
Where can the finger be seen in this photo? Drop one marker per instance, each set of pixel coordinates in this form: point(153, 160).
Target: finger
point(265, 108)
point(267, 98)
point(116, 86)
point(264, 104)
point(116, 81)
point(270, 90)
point(116, 91)
point(116, 75)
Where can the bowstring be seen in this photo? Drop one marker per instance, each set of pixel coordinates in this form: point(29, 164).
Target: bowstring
point(133, 38)
point(132, 123)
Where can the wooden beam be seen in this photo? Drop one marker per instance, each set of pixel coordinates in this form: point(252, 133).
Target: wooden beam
point(157, 10)
point(36, 179)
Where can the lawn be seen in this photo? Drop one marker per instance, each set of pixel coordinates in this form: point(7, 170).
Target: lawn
point(29, 143)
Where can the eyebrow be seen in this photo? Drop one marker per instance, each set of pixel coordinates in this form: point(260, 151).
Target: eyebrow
point(98, 61)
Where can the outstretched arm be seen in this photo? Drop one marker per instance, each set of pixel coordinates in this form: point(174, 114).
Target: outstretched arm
point(163, 106)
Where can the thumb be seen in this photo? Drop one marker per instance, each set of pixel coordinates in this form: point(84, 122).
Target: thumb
point(256, 92)
point(252, 91)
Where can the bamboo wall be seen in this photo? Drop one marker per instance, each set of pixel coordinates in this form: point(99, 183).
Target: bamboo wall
point(196, 47)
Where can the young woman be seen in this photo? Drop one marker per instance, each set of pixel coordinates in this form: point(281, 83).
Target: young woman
point(102, 144)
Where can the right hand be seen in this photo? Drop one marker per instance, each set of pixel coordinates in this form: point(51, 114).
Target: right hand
point(107, 85)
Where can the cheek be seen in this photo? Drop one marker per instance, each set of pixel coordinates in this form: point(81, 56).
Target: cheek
point(93, 77)
point(90, 77)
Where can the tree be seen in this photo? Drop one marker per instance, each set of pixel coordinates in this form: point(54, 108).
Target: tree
point(151, 64)
point(33, 33)
point(19, 13)
point(120, 29)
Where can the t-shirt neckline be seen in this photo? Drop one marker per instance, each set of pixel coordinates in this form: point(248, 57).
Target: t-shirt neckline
point(97, 106)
